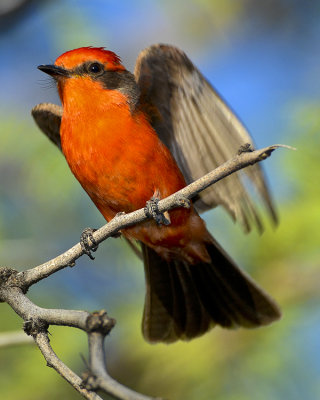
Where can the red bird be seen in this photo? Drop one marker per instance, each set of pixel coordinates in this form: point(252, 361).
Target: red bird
point(128, 138)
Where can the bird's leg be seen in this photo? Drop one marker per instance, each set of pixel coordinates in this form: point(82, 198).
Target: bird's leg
point(151, 210)
point(88, 243)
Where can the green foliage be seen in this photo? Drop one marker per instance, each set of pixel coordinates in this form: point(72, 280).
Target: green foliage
point(258, 364)
point(43, 209)
point(224, 365)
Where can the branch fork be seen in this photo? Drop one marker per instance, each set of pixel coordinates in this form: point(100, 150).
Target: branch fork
point(14, 286)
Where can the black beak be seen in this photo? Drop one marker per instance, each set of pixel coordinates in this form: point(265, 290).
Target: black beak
point(54, 71)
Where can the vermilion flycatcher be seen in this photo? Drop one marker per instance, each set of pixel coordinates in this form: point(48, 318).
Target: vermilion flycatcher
point(128, 138)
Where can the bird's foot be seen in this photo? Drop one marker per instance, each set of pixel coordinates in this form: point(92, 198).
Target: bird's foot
point(152, 211)
point(245, 148)
point(88, 243)
point(182, 201)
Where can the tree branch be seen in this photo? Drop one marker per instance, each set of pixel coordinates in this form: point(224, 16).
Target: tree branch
point(42, 340)
point(31, 276)
point(98, 377)
point(14, 285)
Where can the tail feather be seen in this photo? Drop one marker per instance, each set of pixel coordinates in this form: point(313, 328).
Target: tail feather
point(173, 308)
point(184, 301)
point(241, 301)
point(158, 316)
point(197, 320)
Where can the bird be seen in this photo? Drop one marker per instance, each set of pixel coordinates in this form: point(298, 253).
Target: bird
point(134, 138)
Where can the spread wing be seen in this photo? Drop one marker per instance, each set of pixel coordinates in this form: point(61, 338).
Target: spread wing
point(48, 118)
point(199, 129)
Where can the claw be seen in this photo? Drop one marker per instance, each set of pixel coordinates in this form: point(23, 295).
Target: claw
point(151, 210)
point(88, 243)
point(116, 235)
point(182, 201)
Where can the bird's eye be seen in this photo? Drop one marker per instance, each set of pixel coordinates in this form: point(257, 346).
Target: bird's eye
point(95, 68)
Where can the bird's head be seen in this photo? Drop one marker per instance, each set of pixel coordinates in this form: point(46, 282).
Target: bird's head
point(87, 70)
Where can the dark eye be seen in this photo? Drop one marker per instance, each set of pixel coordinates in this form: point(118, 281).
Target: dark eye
point(95, 68)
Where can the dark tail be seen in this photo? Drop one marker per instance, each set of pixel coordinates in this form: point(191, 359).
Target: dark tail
point(184, 301)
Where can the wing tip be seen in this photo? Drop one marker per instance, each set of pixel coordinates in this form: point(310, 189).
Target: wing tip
point(47, 117)
point(47, 107)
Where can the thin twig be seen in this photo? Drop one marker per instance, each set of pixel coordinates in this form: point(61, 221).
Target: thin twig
point(99, 371)
point(34, 275)
point(97, 325)
point(53, 361)
point(28, 311)
point(14, 285)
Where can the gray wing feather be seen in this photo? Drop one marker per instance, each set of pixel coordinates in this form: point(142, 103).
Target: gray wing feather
point(200, 130)
point(48, 118)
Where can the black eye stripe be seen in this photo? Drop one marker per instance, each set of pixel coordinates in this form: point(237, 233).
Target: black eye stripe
point(93, 68)
point(122, 80)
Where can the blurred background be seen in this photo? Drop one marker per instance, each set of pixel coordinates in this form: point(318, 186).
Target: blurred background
point(263, 57)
